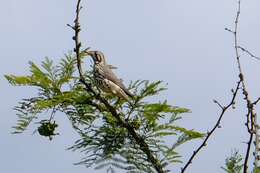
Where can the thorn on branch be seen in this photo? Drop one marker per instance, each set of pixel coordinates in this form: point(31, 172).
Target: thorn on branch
point(233, 105)
point(72, 27)
point(229, 30)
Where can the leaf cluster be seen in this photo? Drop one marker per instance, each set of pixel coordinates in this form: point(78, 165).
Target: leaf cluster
point(233, 163)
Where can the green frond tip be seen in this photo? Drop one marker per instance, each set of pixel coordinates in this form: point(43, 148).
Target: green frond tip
point(47, 76)
point(193, 134)
point(39, 77)
point(164, 107)
point(233, 164)
point(151, 89)
point(22, 123)
point(145, 88)
point(18, 80)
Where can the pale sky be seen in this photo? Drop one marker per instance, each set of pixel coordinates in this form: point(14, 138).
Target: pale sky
point(180, 42)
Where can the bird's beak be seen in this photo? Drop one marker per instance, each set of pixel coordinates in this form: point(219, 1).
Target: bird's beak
point(87, 53)
point(91, 54)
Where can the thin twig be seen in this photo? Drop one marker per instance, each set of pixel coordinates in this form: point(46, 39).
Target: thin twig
point(52, 114)
point(209, 134)
point(229, 30)
point(215, 101)
point(139, 140)
point(255, 102)
point(248, 52)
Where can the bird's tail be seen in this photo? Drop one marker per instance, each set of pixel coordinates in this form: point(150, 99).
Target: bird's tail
point(128, 93)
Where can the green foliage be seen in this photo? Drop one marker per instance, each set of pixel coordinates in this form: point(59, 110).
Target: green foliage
point(103, 140)
point(233, 163)
point(49, 80)
point(256, 170)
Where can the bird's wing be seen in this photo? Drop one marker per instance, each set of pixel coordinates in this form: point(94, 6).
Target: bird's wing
point(111, 66)
point(110, 75)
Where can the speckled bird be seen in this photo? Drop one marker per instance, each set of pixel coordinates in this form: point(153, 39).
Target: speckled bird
point(104, 77)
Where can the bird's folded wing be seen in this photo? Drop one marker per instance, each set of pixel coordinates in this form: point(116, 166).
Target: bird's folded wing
point(108, 74)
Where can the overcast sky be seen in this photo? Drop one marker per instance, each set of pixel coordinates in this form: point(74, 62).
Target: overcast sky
point(180, 42)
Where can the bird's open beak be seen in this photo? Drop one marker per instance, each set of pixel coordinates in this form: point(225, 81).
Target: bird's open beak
point(90, 53)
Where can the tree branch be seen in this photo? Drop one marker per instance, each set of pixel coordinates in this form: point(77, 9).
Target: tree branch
point(139, 140)
point(250, 123)
point(209, 134)
point(248, 52)
point(251, 116)
point(76, 39)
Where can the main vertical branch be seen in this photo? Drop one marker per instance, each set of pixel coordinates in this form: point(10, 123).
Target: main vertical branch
point(138, 139)
point(76, 39)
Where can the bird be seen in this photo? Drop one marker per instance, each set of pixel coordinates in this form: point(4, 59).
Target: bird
point(104, 77)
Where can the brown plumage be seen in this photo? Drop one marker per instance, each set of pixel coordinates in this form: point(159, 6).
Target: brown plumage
point(105, 77)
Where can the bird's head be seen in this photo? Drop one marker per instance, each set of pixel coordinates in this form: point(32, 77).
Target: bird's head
point(97, 56)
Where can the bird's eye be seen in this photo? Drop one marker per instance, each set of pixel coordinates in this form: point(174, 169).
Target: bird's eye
point(98, 58)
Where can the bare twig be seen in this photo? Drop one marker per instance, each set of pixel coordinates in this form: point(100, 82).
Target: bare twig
point(255, 102)
point(248, 52)
point(215, 101)
point(209, 134)
point(229, 30)
point(139, 140)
